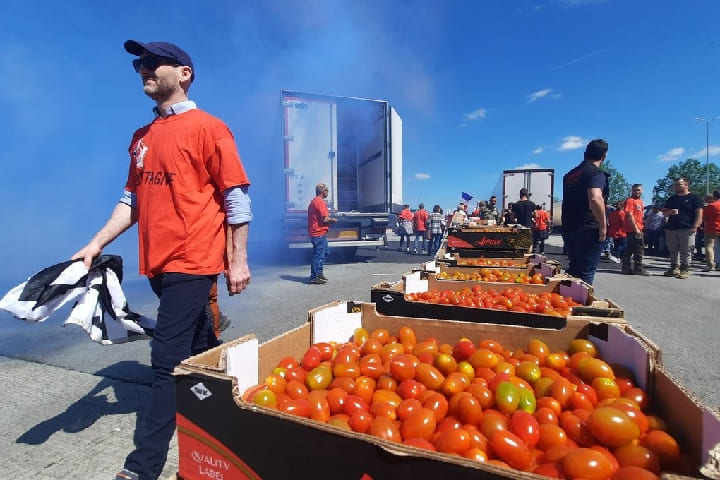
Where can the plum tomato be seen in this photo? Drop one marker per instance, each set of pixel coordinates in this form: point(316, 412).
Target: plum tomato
point(360, 421)
point(265, 398)
point(482, 357)
point(319, 378)
point(420, 443)
point(402, 367)
point(407, 336)
point(311, 358)
point(296, 389)
point(507, 397)
point(437, 403)
point(492, 421)
point(469, 409)
point(538, 348)
point(612, 427)
point(410, 389)
point(419, 423)
point(582, 345)
point(551, 435)
point(297, 406)
point(319, 405)
point(510, 448)
point(383, 427)
point(638, 456)
point(525, 426)
point(455, 440)
point(406, 406)
point(661, 444)
point(429, 376)
point(587, 463)
point(632, 472)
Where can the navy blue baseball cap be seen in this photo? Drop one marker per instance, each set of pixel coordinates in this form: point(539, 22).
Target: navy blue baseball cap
point(161, 49)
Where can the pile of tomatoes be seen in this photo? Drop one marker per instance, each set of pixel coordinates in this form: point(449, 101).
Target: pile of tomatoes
point(563, 414)
point(493, 275)
point(490, 262)
point(511, 298)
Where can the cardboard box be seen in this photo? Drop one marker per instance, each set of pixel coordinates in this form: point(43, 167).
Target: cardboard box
point(489, 239)
point(390, 300)
point(221, 436)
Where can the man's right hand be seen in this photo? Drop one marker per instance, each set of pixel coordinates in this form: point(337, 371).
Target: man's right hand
point(87, 253)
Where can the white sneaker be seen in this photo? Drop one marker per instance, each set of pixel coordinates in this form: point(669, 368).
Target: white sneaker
point(613, 259)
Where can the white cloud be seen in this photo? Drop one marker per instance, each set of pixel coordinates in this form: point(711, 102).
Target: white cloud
point(528, 166)
point(572, 143)
point(714, 150)
point(539, 94)
point(422, 176)
point(537, 151)
point(672, 154)
point(479, 114)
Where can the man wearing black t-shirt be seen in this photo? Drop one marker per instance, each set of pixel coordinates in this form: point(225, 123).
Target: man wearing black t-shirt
point(585, 192)
point(523, 210)
point(684, 212)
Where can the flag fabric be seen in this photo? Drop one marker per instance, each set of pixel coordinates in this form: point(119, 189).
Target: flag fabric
point(466, 196)
point(101, 308)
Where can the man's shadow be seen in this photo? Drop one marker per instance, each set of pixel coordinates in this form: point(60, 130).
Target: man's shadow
point(95, 404)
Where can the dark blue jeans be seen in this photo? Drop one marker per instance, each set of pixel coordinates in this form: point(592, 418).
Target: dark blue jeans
point(620, 246)
point(583, 250)
point(182, 330)
point(434, 245)
point(321, 250)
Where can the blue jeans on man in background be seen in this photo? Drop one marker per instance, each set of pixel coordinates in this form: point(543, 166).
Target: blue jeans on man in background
point(583, 250)
point(434, 243)
point(419, 235)
point(321, 250)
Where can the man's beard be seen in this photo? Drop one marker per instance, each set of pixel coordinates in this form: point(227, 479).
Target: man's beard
point(158, 90)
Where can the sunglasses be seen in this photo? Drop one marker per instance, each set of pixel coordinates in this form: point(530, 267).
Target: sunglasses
point(153, 62)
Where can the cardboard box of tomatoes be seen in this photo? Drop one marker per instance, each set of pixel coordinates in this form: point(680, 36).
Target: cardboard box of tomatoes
point(222, 436)
point(391, 299)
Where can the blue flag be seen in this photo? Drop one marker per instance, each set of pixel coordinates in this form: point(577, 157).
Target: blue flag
point(466, 196)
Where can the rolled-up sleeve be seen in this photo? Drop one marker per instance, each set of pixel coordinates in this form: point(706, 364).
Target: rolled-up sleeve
point(237, 205)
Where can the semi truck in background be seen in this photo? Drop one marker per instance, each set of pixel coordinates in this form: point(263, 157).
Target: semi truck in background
point(538, 181)
point(354, 146)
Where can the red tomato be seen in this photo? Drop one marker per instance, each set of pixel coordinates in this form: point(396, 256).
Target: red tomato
point(354, 403)
point(661, 444)
point(365, 388)
point(638, 456)
point(419, 423)
point(336, 399)
point(483, 394)
point(407, 336)
point(587, 463)
point(492, 421)
point(386, 396)
point(526, 427)
point(437, 403)
point(383, 427)
point(326, 350)
point(454, 440)
point(360, 421)
point(420, 443)
point(639, 396)
point(429, 376)
point(612, 427)
point(561, 390)
point(576, 429)
point(311, 359)
point(546, 415)
point(383, 409)
point(634, 473)
point(297, 406)
point(477, 439)
point(319, 406)
point(296, 373)
point(510, 448)
point(469, 409)
point(346, 383)
point(406, 406)
point(551, 435)
point(402, 367)
point(552, 470)
point(410, 389)
point(296, 389)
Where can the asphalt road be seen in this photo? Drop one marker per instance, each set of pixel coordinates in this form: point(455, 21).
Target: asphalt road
point(70, 405)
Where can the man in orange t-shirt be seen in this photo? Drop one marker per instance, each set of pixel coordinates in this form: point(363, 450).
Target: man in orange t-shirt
point(541, 220)
point(420, 220)
point(186, 190)
point(616, 231)
point(634, 210)
point(711, 226)
point(319, 221)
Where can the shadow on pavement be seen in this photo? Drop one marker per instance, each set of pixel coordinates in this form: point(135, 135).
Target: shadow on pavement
point(93, 406)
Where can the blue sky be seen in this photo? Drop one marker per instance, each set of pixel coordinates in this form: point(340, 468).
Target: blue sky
point(481, 86)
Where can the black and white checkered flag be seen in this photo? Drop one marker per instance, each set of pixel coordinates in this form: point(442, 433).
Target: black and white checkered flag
point(101, 308)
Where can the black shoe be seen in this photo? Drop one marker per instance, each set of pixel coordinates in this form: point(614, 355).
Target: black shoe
point(126, 475)
point(317, 281)
point(641, 271)
point(224, 323)
point(322, 277)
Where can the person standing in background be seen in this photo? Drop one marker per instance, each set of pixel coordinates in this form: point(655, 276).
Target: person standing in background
point(684, 212)
point(437, 228)
point(654, 230)
point(616, 231)
point(186, 188)
point(524, 209)
point(634, 209)
point(420, 226)
point(585, 192)
point(711, 225)
point(540, 229)
point(405, 227)
point(319, 222)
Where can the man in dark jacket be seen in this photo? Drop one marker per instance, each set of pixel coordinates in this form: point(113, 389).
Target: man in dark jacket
point(585, 191)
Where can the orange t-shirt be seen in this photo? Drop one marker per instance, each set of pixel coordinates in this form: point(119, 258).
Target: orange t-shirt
point(317, 211)
point(711, 218)
point(179, 167)
point(542, 218)
point(419, 220)
point(616, 224)
point(636, 208)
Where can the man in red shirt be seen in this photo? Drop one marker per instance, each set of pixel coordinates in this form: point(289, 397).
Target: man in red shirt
point(420, 226)
point(634, 210)
point(540, 229)
point(319, 221)
point(186, 190)
point(616, 231)
point(711, 225)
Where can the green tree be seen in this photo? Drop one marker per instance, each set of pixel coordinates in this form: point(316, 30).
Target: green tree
point(694, 171)
point(619, 187)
